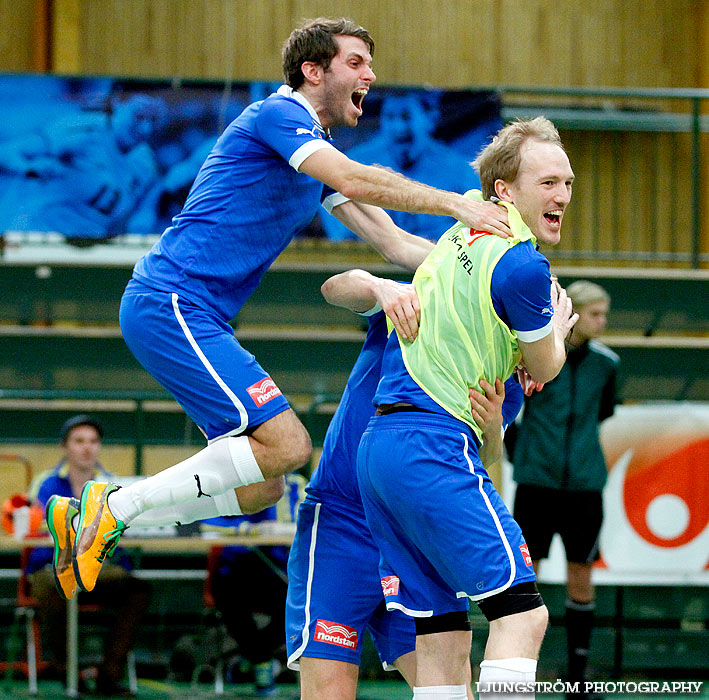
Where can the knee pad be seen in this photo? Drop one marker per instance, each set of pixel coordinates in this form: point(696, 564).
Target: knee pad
point(447, 622)
point(516, 599)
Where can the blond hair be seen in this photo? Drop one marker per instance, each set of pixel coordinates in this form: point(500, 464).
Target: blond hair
point(500, 160)
point(583, 292)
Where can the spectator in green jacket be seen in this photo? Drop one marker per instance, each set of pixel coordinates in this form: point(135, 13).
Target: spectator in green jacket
point(559, 465)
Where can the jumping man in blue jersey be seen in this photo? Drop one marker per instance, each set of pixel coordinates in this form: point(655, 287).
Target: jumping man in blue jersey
point(260, 185)
point(334, 591)
point(442, 530)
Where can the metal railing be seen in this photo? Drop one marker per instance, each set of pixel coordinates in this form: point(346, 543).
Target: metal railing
point(135, 406)
point(99, 402)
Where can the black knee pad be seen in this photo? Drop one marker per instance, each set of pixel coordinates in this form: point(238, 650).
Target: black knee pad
point(517, 599)
point(447, 622)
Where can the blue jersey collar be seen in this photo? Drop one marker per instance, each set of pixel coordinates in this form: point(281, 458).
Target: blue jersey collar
point(288, 91)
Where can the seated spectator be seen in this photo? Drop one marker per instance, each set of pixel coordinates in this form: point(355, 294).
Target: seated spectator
point(117, 590)
point(252, 606)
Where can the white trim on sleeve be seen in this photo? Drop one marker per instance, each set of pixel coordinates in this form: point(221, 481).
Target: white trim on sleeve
point(334, 200)
point(307, 149)
point(532, 336)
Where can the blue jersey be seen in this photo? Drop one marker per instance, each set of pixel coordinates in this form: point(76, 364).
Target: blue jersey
point(520, 291)
point(326, 614)
point(512, 405)
point(246, 204)
point(336, 474)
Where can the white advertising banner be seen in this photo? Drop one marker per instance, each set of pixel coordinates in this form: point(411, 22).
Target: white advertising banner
point(656, 501)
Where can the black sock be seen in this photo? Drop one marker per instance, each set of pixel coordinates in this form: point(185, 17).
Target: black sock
point(579, 623)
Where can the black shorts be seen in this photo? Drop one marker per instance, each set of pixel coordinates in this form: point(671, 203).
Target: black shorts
point(576, 515)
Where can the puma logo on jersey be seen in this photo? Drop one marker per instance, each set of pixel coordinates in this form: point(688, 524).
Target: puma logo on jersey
point(316, 131)
point(262, 392)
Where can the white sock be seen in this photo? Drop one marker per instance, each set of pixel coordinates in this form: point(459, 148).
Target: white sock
point(440, 692)
point(221, 466)
point(183, 513)
point(517, 670)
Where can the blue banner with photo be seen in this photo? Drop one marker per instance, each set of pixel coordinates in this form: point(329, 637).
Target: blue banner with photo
point(93, 158)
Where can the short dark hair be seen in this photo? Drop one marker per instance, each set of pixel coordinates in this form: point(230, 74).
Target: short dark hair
point(75, 422)
point(315, 41)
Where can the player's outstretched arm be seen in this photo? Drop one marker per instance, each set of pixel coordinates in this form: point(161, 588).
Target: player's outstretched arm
point(544, 358)
point(487, 413)
point(376, 227)
point(360, 291)
point(384, 188)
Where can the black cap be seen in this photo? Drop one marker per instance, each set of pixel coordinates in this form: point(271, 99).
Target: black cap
point(76, 421)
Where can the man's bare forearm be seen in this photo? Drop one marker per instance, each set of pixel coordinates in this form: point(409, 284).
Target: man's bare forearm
point(383, 188)
point(360, 291)
point(391, 190)
point(353, 290)
point(375, 226)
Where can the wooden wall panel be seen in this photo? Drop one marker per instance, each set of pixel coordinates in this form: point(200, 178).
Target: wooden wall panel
point(632, 193)
point(170, 38)
point(633, 42)
point(17, 27)
point(451, 44)
point(457, 43)
point(67, 23)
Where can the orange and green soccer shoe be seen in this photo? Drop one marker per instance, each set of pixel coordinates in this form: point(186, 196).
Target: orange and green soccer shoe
point(59, 513)
point(97, 533)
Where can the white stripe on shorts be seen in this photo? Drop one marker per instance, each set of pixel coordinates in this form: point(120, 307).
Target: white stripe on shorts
point(498, 525)
point(408, 611)
point(293, 663)
point(243, 415)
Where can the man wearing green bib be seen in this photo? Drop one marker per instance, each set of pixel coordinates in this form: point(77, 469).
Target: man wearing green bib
point(444, 534)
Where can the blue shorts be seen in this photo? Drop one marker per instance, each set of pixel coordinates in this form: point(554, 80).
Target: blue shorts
point(334, 591)
point(195, 356)
point(442, 529)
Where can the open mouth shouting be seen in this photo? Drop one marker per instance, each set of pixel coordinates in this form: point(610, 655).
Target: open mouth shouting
point(553, 217)
point(358, 97)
